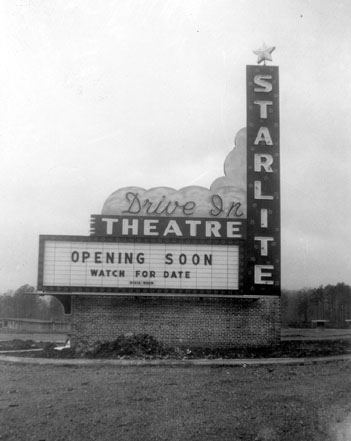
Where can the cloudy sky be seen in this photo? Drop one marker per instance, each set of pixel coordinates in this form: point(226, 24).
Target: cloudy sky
point(101, 95)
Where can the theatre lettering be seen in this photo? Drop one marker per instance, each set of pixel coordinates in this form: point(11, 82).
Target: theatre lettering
point(122, 226)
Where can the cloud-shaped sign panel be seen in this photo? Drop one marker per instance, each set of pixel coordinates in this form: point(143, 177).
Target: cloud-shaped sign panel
point(225, 198)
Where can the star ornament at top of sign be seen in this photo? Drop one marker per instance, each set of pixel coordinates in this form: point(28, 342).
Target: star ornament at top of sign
point(264, 54)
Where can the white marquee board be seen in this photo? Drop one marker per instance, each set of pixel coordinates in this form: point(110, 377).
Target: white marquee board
point(100, 264)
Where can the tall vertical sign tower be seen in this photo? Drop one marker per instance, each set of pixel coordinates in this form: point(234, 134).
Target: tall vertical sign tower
point(263, 178)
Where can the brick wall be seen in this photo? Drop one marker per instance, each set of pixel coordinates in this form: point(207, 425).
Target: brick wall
point(178, 321)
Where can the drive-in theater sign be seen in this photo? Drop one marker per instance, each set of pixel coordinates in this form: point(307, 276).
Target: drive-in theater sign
point(195, 243)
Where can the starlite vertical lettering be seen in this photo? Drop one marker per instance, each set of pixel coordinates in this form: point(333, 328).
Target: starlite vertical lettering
point(263, 185)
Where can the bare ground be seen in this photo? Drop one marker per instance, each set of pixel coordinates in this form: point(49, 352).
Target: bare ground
point(36, 336)
point(286, 334)
point(58, 403)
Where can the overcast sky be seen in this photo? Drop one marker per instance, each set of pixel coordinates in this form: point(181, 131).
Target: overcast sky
point(101, 95)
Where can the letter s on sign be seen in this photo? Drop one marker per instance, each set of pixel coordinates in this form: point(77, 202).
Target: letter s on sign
point(260, 81)
point(169, 259)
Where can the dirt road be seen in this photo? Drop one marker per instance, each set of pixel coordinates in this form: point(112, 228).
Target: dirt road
point(286, 334)
point(289, 403)
point(36, 336)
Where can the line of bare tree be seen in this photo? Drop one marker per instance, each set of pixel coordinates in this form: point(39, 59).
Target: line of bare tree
point(331, 303)
point(20, 304)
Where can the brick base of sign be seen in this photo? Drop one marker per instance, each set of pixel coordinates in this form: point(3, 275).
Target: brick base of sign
point(190, 322)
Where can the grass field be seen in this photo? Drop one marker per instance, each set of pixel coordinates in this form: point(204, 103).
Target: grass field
point(314, 334)
point(164, 403)
point(273, 403)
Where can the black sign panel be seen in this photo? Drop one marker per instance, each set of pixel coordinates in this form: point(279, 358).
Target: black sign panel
point(263, 181)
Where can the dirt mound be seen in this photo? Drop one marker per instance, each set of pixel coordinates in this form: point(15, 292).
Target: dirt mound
point(136, 346)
